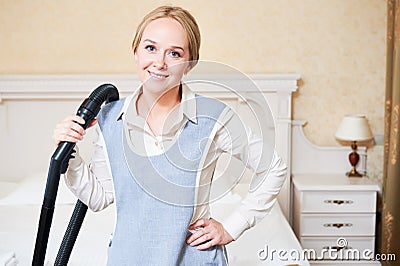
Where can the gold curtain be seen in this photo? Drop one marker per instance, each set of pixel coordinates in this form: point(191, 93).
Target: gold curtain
point(391, 170)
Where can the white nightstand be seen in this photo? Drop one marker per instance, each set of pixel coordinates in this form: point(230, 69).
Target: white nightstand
point(336, 214)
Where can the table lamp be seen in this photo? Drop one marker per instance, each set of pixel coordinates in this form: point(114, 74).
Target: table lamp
point(354, 128)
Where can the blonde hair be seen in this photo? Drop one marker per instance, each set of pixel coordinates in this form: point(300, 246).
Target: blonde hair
point(181, 15)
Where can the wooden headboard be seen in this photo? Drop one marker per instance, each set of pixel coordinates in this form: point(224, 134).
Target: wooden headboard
point(31, 105)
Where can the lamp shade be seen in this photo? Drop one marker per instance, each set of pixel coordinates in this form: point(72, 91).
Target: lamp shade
point(354, 128)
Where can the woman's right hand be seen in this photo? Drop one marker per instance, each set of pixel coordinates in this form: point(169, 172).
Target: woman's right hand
point(70, 129)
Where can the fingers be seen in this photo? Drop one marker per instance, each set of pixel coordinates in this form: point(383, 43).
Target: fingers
point(209, 233)
point(94, 122)
point(207, 245)
point(203, 239)
point(69, 130)
point(199, 223)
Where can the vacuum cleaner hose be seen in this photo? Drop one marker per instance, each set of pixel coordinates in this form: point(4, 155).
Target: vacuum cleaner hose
point(58, 165)
point(91, 106)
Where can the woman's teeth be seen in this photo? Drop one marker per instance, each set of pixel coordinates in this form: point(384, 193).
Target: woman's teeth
point(159, 76)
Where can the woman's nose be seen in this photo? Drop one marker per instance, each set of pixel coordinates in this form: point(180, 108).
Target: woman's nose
point(159, 61)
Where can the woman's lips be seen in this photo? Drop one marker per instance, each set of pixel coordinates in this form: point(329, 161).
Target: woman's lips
point(158, 75)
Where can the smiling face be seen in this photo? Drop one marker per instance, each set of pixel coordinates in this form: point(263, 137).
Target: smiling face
point(162, 55)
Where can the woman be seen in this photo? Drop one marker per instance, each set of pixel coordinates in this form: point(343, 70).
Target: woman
point(150, 157)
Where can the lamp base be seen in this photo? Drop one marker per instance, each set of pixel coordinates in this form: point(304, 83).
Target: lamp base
point(353, 173)
point(354, 158)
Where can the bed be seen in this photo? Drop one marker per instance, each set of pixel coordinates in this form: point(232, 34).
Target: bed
point(20, 205)
point(22, 185)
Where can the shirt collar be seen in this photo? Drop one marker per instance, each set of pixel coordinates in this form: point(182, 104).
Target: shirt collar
point(130, 99)
point(187, 106)
point(188, 103)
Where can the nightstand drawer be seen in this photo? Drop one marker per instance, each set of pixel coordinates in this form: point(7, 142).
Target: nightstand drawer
point(339, 201)
point(337, 225)
point(349, 246)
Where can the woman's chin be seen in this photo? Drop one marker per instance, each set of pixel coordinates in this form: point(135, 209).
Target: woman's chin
point(160, 85)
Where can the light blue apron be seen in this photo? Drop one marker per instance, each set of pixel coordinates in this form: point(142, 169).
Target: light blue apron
point(154, 195)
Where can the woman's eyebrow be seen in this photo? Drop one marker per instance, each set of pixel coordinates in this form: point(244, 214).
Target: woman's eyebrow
point(148, 40)
point(177, 47)
point(174, 46)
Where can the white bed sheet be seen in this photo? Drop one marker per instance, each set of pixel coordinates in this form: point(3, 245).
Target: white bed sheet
point(20, 207)
point(19, 227)
point(20, 217)
point(271, 233)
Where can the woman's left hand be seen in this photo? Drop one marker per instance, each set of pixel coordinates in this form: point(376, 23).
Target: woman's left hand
point(209, 232)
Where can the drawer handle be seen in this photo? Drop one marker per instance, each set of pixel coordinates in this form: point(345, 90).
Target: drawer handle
point(338, 225)
point(339, 202)
point(336, 248)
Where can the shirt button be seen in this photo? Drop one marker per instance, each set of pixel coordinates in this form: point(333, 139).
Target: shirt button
point(156, 143)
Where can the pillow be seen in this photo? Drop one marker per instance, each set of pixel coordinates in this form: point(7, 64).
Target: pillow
point(30, 191)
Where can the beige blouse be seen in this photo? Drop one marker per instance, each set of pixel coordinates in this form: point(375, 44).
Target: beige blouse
point(93, 184)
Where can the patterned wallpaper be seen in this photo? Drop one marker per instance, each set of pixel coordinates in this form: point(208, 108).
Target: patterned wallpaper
point(338, 46)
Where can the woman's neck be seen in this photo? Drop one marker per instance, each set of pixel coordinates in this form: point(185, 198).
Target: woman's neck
point(150, 104)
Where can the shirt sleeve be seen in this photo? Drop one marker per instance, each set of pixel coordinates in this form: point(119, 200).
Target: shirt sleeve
point(92, 184)
point(247, 147)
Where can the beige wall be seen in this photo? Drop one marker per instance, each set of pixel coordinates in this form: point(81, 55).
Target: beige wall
point(338, 46)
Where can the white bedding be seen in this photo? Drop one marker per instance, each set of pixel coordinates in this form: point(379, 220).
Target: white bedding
point(7, 258)
point(20, 209)
point(272, 233)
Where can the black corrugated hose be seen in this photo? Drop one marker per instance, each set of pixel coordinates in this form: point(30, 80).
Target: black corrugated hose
point(58, 164)
point(68, 242)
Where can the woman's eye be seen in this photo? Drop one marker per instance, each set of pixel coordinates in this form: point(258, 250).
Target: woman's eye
point(175, 54)
point(150, 48)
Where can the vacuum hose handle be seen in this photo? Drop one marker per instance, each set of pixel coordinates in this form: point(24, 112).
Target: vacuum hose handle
point(59, 163)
